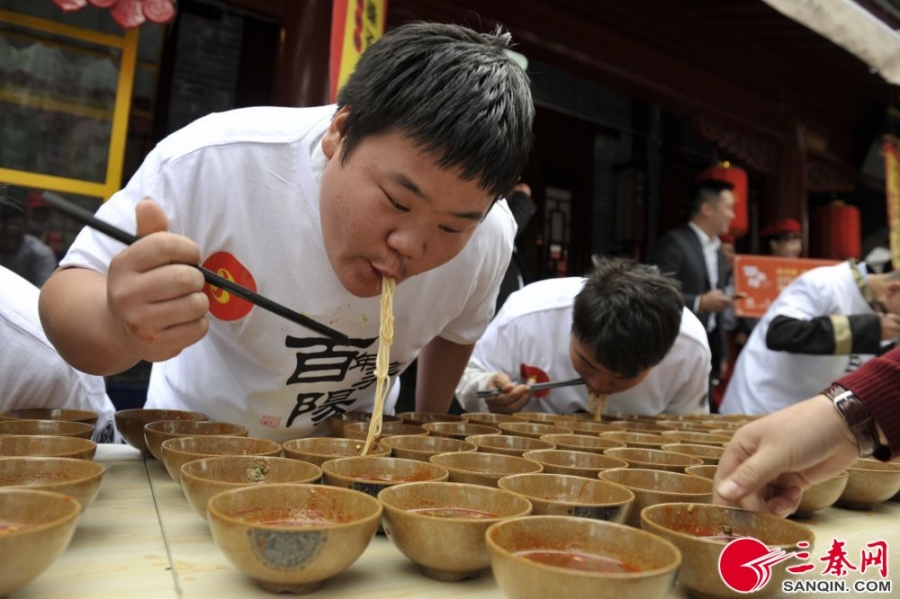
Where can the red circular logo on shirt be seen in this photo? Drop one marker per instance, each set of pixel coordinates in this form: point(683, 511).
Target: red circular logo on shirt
point(223, 304)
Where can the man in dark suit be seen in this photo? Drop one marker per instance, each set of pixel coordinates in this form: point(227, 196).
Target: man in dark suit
point(692, 255)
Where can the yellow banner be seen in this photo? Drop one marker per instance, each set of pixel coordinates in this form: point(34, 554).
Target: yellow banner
point(892, 191)
point(356, 25)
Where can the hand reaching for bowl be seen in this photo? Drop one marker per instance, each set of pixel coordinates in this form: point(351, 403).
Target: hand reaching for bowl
point(512, 397)
point(770, 461)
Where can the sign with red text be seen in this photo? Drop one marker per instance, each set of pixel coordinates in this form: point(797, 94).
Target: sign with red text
point(355, 25)
point(759, 279)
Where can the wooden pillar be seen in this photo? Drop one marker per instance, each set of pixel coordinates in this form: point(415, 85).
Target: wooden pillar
point(302, 78)
point(791, 183)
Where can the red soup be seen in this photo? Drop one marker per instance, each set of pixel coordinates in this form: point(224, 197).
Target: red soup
point(453, 512)
point(576, 561)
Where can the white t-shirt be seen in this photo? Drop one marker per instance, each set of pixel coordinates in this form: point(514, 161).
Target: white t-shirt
point(243, 182)
point(534, 327)
point(765, 380)
point(32, 373)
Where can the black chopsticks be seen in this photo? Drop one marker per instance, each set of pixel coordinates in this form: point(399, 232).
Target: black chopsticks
point(87, 218)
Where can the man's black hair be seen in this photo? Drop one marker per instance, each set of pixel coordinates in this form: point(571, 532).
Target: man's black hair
point(707, 191)
point(628, 314)
point(454, 92)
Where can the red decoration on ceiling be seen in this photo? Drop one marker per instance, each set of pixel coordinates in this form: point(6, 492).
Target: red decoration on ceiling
point(127, 13)
point(836, 231)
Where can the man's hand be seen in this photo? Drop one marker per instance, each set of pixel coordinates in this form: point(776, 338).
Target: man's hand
point(890, 326)
point(770, 461)
point(156, 300)
point(512, 397)
point(715, 300)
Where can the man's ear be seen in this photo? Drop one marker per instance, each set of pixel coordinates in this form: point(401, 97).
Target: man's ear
point(331, 143)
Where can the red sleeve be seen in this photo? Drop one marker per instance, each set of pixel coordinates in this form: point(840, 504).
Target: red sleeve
point(877, 384)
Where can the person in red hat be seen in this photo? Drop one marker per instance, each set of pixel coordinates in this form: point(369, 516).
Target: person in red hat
point(783, 238)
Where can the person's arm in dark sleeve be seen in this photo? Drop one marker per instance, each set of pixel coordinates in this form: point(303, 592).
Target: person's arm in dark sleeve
point(837, 334)
point(668, 258)
point(522, 207)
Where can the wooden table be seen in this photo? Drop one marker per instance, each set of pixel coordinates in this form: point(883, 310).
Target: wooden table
point(141, 539)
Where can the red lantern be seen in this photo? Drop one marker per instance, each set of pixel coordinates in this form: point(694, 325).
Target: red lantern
point(837, 231)
point(738, 178)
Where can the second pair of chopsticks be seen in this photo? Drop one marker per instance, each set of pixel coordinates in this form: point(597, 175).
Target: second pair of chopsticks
point(536, 387)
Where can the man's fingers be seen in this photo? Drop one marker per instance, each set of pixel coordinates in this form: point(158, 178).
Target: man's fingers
point(750, 476)
point(150, 218)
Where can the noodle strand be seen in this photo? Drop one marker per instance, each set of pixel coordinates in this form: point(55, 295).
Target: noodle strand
point(382, 360)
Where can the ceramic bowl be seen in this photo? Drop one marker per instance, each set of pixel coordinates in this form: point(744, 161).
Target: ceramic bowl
point(696, 438)
point(710, 454)
point(622, 417)
point(70, 415)
point(35, 528)
point(722, 424)
point(78, 478)
point(480, 468)
point(687, 425)
point(130, 424)
point(547, 557)
point(203, 478)
point(360, 430)
point(422, 448)
point(336, 424)
point(47, 446)
point(459, 430)
point(821, 495)
point(640, 426)
point(574, 463)
point(318, 450)
point(508, 444)
point(488, 418)
point(179, 450)
point(701, 532)
point(440, 526)
point(292, 538)
point(651, 487)
point(870, 482)
point(589, 427)
point(654, 459)
point(532, 429)
point(707, 471)
point(420, 418)
point(545, 418)
point(59, 428)
point(157, 432)
point(576, 442)
point(371, 475)
point(563, 495)
point(639, 440)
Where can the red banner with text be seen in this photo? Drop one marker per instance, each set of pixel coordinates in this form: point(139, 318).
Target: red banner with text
point(355, 25)
point(759, 279)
